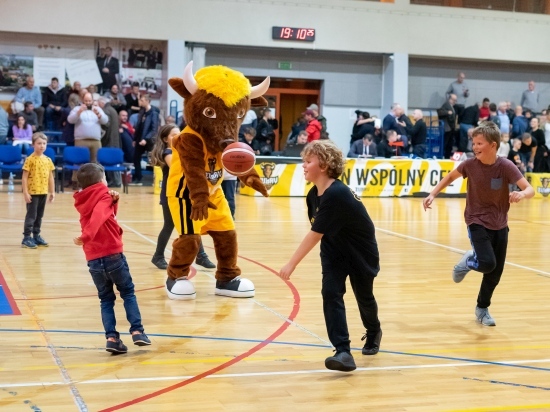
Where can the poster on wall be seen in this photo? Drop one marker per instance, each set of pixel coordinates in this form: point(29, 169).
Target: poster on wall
point(81, 66)
point(140, 62)
point(14, 70)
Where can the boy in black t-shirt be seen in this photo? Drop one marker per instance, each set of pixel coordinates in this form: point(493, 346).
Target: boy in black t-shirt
point(348, 247)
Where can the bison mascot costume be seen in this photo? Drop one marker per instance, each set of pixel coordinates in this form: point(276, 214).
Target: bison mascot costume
point(216, 100)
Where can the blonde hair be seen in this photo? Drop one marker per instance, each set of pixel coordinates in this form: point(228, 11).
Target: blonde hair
point(39, 135)
point(329, 155)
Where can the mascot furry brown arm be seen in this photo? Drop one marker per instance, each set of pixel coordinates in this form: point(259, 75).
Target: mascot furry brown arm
point(216, 101)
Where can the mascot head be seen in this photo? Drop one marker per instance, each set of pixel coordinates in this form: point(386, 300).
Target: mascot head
point(216, 101)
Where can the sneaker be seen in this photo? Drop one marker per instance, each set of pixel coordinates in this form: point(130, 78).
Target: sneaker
point(28, 242)
point(205, 262)
point(372, 345)
point(116, 346)
point(461, 269)
point(341, 361)
point(159, 262)
point(484, 317)
point(235, 288)
point(135, 183)
point(141, 339)
point(39, 240)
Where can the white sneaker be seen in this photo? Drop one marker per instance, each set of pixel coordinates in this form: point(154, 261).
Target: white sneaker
point(461, 269)
point(483, 317)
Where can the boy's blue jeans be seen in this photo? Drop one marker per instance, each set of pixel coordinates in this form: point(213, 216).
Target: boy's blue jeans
point(109, 271)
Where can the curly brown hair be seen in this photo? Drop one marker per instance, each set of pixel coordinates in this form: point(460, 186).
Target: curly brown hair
point(329, 155)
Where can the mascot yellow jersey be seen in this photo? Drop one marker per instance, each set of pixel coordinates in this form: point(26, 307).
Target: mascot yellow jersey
point(179, 200)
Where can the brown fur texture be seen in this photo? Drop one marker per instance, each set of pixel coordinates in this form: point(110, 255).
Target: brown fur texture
point(219, 125)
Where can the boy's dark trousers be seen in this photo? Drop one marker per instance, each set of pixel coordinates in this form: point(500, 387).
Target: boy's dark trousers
point(35, 212)
point(333, 290)
point(490, 254)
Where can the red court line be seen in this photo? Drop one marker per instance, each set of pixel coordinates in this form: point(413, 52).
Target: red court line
point(9, 296)
point(273, 336)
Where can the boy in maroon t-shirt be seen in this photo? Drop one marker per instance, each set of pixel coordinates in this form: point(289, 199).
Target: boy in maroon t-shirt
point(487, 203)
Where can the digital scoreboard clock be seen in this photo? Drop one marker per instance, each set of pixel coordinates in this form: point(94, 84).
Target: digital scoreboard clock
point(293, 33)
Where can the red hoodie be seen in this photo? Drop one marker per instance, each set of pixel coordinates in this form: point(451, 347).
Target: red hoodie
point(101, 234)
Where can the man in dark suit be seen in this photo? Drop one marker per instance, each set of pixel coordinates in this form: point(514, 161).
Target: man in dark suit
point(109, 68)
point(363, 148)
point(448, 115)
point(418, 134)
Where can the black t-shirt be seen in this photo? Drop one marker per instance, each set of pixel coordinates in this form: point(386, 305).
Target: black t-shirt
point(348, 240)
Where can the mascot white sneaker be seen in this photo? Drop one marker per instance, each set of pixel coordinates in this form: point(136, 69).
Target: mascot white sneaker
point(180, 289)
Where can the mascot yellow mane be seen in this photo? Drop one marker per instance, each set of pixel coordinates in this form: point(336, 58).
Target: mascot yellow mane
point(229, 85)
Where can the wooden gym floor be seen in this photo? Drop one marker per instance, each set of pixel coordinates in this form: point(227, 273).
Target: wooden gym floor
point(267, 353)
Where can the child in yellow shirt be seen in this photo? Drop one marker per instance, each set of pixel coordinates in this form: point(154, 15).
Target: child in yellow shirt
point(38, 185)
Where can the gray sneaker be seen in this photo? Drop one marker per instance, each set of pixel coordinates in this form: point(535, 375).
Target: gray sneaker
point(484, 317)
point(461, 269)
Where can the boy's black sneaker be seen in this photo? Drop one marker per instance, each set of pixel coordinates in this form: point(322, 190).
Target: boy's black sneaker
point(141, 339)
point(116, 346)
point(39, 240)
point(372, 345)
point(28, 242)
point(159, 262)
point(341, 361)
point(205, 262)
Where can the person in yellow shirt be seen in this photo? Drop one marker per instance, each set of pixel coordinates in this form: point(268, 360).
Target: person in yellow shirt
point(38, 186)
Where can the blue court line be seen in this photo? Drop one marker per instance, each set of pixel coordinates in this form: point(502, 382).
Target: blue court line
point(311, 345)
point(507, 383)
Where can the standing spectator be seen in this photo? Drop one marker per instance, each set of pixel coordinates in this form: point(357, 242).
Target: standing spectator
point(87, 119)
point(126, 132)
point(363, 125)
point(111, 138)
point(31, 93)
point(503, 118)
point(146, 130)
point(530, 98)
point(30, 115)
point(519, 124)
point(419, 133)
point(460, 89)
point(484, 112)
point(265, 131)
point(541, 155)
point(448, 115)
point(527, 151)
point(67, 129)
point(54, 100)
point(132, 99)
point(38, 186)
point(313, 127)
point(4, 126)
point(116, 98)
point(470, 119)
point(341, 223)
point(509, 111)
point(22, 133)
point(109, 68)
point(320, 118)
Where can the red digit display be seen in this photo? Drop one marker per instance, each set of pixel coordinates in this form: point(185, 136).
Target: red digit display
point(293, 33)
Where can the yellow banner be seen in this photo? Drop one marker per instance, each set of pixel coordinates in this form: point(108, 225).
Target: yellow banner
point(374, 178)
point(540, 182)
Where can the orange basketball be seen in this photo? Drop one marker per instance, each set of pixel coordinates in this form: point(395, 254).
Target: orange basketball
point(238, 158)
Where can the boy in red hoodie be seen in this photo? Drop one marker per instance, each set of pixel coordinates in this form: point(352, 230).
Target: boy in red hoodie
point(102, 241)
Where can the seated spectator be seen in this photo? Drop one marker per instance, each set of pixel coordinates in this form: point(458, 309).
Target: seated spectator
point(126, 131)
point(313, 127)
point(363, 148)
point(363, 125)
point(504, 148)
point(419, 133)
point(22, 133)
point(116, 99)
point(297, 127)
point(75, 89)
point(53, 100)
point(170, 120)
point(493, 115)
point(520, 123)
point(92, 88)
point(294, 149)
point(4, 125)
point(30, 115)
point(132, 99)
point(31, 93)
point(484, 112)
point(386, 148)
point(250, 139)
point(250, 120)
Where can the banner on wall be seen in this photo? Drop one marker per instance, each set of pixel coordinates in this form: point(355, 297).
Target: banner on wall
point(367, 178)
point(540, 182)
point(14, 70)
point(81, 66)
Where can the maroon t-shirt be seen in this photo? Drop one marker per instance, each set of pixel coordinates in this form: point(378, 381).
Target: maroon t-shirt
point(487, 197)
